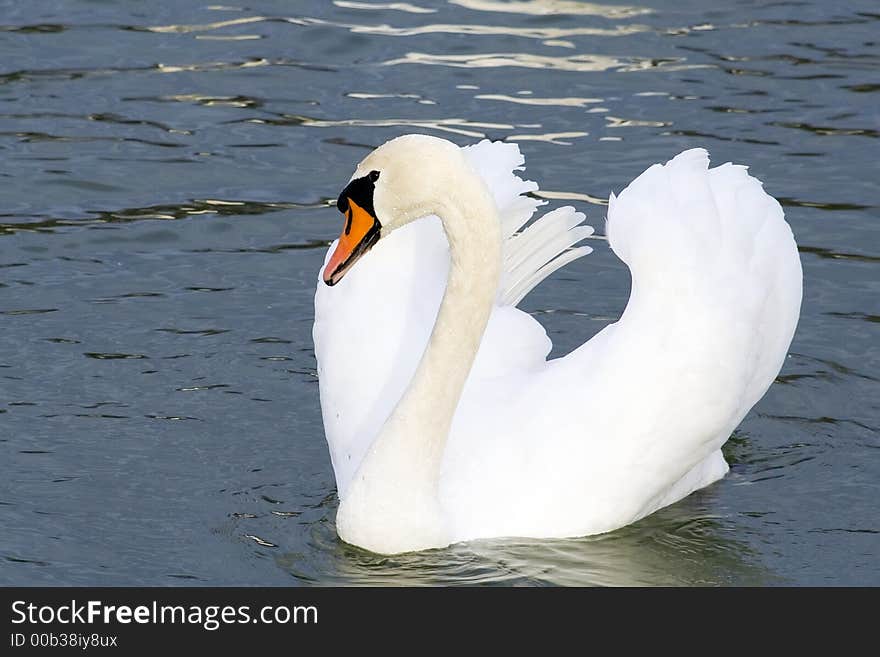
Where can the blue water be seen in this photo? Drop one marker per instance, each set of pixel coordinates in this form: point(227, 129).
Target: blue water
point(167, 174)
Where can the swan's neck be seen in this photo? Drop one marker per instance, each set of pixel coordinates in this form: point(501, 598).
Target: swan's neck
point(392, 504)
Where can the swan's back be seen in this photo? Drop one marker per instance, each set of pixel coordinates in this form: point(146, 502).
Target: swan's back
point(634, 419)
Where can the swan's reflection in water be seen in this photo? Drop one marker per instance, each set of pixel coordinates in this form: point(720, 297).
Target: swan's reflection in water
point(680, 545)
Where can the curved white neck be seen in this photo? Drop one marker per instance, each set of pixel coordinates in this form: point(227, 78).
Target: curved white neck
point(392, 504)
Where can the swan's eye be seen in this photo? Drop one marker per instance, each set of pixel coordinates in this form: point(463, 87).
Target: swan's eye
point(373, 176)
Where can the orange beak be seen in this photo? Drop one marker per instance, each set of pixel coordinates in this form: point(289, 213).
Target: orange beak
point(360, 233)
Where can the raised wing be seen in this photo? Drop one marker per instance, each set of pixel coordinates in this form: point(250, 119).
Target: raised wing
point(531, 252)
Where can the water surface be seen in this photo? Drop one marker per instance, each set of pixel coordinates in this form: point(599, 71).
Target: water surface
point(167, 174)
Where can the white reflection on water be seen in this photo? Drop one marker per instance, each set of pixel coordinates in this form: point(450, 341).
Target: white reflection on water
point(550, 36)
point(229, 37)
point(210, 66)
point(367, 96)
point(550, 137)
point(454, 126)
point(581, 63)
point(547, 7)
point(415, 30)
point(497, 30)
point(570, 196)
point(529, 100)
point(394, 6)
point(204, 27)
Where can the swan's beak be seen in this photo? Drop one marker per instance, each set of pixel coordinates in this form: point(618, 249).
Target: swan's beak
point(360, 233)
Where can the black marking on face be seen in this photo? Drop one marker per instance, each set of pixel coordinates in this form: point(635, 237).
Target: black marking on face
point(359, 190)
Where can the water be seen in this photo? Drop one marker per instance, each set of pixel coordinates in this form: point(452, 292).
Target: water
point(167, 174)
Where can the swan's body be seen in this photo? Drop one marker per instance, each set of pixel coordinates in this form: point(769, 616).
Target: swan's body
point(452, 425)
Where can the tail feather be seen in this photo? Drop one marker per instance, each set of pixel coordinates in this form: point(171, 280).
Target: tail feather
point(711, 251)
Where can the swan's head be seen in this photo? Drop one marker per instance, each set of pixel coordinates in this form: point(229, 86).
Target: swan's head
point(404, 179)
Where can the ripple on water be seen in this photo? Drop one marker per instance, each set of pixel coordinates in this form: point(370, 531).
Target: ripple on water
point(664, 551)
point(580, 63)
point(162, 212)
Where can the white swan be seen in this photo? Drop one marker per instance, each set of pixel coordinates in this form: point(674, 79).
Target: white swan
point(451, 425)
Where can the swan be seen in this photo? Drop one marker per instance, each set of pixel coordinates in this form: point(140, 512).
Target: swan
point(445, 420)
